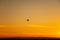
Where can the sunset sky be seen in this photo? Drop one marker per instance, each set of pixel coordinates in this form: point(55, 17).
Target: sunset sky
point(44, 16)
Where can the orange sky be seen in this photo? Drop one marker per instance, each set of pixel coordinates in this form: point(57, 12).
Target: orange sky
point(44, 18)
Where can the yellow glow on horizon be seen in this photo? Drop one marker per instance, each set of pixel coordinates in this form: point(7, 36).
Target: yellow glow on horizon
point(29, 31)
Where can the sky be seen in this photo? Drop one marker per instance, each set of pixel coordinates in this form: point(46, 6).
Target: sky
point(41, 13)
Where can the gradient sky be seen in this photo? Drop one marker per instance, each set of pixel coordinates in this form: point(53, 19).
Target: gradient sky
point(40, 12)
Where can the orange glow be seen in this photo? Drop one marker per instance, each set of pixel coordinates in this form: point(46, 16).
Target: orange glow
point(29, 31)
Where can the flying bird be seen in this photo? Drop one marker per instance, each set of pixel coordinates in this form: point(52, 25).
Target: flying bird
point(27, 19)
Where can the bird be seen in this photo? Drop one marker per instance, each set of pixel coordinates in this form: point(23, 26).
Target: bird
point(27, 19)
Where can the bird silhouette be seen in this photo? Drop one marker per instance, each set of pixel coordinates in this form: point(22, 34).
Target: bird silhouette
point(27, 19)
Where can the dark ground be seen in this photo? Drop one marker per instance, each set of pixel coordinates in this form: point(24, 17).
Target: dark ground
point(30, 38)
